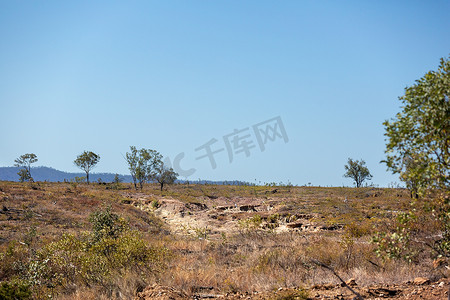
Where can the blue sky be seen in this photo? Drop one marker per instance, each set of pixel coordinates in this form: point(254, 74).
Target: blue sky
point(172, 75)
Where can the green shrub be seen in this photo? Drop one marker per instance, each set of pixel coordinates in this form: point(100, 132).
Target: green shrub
point(14, 291)
point(105, 223)
point(90, 258)
point(155, 204)
point(14, 260)
point(396, 245)
point(251, 223)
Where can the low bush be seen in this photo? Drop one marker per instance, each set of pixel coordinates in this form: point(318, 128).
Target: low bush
point(96, 258)
point(15, 290)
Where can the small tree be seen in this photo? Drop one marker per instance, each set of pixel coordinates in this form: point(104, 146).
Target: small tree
point(24, 175)
point(87, 161)
point(142, 164)
point(25, 162)
point(116, 182)
point(357, 171)
point(164, 175)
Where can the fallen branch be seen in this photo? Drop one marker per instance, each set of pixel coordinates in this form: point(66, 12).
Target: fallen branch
point(321, 264)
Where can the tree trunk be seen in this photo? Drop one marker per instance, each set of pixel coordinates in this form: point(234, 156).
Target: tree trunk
point(87, 177)
point(162, 184)
point(134, 181)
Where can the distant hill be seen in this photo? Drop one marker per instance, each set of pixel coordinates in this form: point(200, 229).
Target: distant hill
point(53, 175)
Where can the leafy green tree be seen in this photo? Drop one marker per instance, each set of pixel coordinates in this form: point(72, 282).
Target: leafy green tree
point(417, 149)
point(418, 138)
point(87, 161)
point(357, 171)
point(25, 162)
point(142, 164)
point(164, 175)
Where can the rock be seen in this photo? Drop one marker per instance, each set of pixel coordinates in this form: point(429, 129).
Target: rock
point(294, 225)
point(325, 286)
point(196, 206)
point(224, 207)
point(439, 262)
point(159, 292)
point(351, 282)
point(248, 207)
point(382, 291)
point(421, 281)
point(441, 284)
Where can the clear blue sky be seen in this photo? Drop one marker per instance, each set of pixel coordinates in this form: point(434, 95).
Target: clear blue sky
point(172, 75)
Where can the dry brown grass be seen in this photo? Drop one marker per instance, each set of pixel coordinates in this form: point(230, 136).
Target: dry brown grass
point(251, 259)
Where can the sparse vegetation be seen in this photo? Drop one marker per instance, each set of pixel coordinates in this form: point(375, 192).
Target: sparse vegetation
point(114, 242)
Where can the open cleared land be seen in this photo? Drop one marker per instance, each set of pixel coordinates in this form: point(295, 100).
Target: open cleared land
point(207, 241)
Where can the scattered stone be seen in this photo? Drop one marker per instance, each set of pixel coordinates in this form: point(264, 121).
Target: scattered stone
point(381, 292)
point(274, 191)
point(197, 289)
point(325, 286)
point(160, 292)
point(331, 227)
point(421, 281)
point(196, 206)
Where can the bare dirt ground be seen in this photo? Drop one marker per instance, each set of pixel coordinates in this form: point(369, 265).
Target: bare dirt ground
point(224, 216)
point(408, 290)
